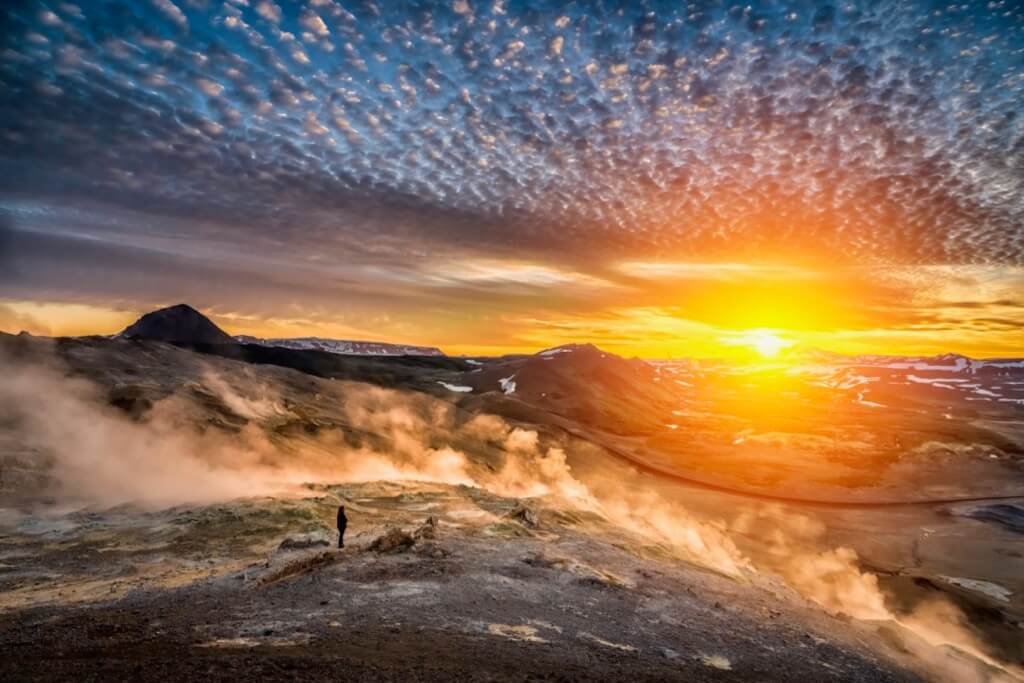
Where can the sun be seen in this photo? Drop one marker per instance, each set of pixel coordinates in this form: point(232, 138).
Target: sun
point(766, 343)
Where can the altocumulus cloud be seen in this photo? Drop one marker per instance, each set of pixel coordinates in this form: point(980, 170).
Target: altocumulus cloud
point(371, 134)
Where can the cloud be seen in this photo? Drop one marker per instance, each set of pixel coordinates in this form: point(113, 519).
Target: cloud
point(269, 11)
point(312, 22)
point(12, 322)
point(172, 12)
point(582, 139)
point(681, 146)
point(493, 272)
point(7, 262)
point(209, 87)
point(715, 271)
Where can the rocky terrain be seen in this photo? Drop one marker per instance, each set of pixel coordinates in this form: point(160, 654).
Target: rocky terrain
point(167, 509)
point(464, 584)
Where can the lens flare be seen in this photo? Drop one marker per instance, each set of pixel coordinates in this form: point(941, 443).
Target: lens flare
point(767, 344)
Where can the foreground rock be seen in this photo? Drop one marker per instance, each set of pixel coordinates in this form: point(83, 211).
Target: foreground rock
point(393, 540)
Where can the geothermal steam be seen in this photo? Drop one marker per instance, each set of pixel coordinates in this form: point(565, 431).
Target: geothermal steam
point(98, 455)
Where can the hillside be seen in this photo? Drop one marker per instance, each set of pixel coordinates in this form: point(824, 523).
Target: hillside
point(554, 535)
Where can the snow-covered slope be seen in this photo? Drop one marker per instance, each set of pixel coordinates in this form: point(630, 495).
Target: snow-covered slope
point(945, 384)
point(949, 362)
point(344, 346)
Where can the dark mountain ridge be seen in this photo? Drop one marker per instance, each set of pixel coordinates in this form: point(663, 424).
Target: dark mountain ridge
point(180, 324)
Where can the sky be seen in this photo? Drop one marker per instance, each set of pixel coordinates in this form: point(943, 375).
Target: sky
point(664, 179)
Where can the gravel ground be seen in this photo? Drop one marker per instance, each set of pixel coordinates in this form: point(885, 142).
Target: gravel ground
point(480, 596)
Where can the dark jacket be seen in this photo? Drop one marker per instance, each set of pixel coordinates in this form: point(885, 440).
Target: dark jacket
point(342, 519)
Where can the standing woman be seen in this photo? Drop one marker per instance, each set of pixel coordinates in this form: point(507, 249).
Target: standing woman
point(342, 523)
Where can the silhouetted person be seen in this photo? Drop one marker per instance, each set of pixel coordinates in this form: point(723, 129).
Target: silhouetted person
point(342, 523)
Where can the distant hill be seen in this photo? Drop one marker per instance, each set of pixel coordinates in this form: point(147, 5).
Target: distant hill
point(583, 382)
point(179, 324)
point(343, 346)
point(182, 324)
point(947, 362)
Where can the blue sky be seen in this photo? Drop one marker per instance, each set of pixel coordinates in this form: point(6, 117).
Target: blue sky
point(166, 149)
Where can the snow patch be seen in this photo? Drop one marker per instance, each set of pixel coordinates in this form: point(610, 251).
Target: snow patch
point(935, 381)
point(1003, 364)
point(992, 590)
point(455, 387)
point(344, 347)
point(716, 662)
point(855, 380)
point(869, 404)
point(607, 643)
point(524, 633)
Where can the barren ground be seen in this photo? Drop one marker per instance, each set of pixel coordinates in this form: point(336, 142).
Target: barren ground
point(205, 591)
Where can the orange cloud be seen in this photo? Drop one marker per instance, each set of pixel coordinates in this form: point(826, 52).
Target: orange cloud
point(649, 309)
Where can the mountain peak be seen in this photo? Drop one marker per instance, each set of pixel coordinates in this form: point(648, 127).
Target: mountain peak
point(179, 308)
point(568, 348)
point(178, 324)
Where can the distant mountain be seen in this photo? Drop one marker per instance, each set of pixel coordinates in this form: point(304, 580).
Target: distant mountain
point(182, 324)
point(343, 347)
point(948, 385)
point(583, 382)
point(947, 362)
point(569, 370)
point(179, 324)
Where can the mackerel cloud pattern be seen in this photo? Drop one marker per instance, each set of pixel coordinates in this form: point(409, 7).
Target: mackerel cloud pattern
point(893, 129)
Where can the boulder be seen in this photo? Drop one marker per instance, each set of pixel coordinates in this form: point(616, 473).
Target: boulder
point(316, 539)
point(391, 541)
point(525, 516)
point(427, 530)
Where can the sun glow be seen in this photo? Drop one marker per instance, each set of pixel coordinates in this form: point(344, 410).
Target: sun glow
point(766, 343)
